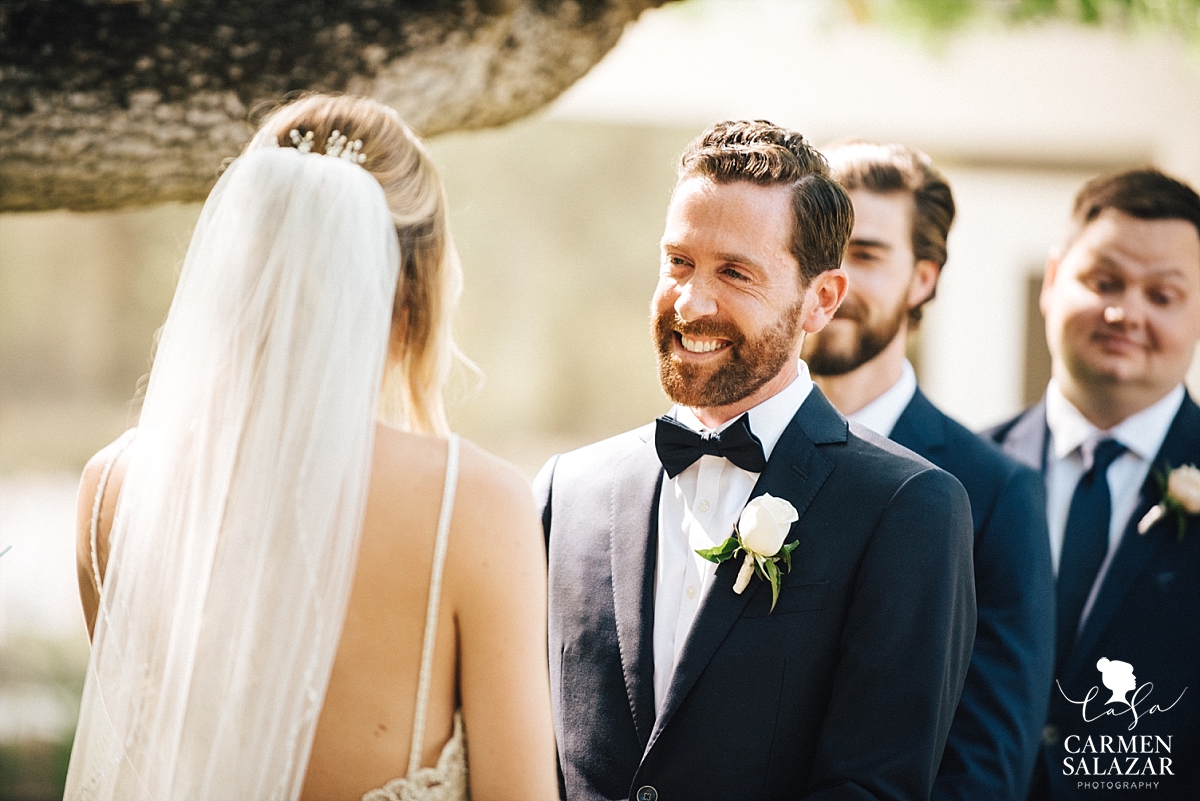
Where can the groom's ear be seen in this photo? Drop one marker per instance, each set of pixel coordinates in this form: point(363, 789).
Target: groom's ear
point(822, 297)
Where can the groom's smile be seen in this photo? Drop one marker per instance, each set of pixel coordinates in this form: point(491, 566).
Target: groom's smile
point(694, 345)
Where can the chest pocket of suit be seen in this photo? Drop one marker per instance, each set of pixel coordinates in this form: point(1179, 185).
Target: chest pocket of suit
point(792, 599)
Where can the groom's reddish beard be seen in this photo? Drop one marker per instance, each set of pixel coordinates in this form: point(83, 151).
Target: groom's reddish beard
point(747, 365)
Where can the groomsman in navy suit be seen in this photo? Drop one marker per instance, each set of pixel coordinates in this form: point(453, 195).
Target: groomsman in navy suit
point(676, 679)
point(903, 209)
point(1122, 307)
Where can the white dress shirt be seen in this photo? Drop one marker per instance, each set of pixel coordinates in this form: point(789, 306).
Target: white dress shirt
point(881, 414)
point(698, 509)
point(1069, 454)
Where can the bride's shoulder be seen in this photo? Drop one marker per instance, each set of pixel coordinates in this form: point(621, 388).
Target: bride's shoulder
point(96, 505)
point(494, 499)
point(484, 471)
point(493, 502)
point(107, 466)
point(485, 481)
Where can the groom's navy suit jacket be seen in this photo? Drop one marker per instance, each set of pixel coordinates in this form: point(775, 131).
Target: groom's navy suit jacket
point(1146, 613)
point(993, 741)
point(845, 691)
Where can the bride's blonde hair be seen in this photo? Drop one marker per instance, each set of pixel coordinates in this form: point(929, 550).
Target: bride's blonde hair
point(422, 346)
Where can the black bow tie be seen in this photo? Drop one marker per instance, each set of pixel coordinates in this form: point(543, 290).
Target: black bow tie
point(679, 446)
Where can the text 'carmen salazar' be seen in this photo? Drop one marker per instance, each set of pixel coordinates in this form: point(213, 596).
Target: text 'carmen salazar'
point(1136, 755)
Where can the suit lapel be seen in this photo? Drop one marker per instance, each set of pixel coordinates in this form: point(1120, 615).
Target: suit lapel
point(921, 427)
point(795, 472)
point(633, 549)
point(1135, 550)
point(1026, 439)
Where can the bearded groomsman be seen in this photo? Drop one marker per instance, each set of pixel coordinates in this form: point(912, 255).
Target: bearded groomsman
point(903, 210)
point(1122, 307)
point(675, 678)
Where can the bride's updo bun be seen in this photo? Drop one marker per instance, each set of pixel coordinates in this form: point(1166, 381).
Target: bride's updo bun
point(422, 347)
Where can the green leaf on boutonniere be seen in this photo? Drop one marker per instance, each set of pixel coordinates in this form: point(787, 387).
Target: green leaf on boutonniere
point(772, 570)
point(720, 553)
point(786, 550)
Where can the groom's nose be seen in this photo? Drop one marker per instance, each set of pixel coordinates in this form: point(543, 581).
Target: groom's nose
point(696, 299)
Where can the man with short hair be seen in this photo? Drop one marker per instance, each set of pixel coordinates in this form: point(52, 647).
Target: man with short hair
point(676, 678)
point(903, 209)
point(1122, 307)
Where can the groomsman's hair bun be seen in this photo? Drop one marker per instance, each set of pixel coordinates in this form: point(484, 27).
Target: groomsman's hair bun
point(1143, 193)
point(767, 155)
point(885, 168)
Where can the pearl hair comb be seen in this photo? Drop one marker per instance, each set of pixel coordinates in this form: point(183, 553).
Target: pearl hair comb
point(337, 145)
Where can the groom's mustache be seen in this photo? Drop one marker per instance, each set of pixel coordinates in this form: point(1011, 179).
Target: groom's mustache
point(668, 324)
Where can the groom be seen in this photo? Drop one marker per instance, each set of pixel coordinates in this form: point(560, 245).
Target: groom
point(667, 682)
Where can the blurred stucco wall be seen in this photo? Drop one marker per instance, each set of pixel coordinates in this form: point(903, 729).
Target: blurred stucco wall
point(557, 224)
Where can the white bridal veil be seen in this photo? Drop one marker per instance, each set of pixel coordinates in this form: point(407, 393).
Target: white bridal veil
point(236, 535)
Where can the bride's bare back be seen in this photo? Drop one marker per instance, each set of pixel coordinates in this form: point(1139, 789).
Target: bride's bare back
point(490, 654)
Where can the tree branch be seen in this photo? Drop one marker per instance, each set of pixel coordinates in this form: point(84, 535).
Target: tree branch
point(111, 103)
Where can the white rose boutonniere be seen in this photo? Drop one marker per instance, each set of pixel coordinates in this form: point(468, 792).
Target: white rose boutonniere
point(759, 533)
point(1181, 495)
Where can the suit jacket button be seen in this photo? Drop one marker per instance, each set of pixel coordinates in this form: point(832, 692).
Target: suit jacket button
point(1050, 734)
point(646, 793)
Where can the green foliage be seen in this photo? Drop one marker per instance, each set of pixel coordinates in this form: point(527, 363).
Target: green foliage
point(939, 16)
point(772, 570)
point(33, 767)
point(34, 770)
point(720, 553)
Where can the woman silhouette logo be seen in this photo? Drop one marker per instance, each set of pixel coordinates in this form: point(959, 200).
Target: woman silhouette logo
point(1118, 677)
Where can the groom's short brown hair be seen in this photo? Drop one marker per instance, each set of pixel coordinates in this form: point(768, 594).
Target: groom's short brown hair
point(768, 155)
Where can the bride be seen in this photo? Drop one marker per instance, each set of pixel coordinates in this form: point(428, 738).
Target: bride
point(298, 585)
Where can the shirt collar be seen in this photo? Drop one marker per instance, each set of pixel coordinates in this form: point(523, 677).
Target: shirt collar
point(1142, 433)
point(881, 414)
point(768, 419)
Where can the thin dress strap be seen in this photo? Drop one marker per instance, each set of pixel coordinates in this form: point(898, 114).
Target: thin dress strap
point(94, 532)
point(431, 615)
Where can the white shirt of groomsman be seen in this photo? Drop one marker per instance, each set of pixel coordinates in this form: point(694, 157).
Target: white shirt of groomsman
point(1073, 440)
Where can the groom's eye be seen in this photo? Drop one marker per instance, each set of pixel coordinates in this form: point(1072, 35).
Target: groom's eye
point(736, 274)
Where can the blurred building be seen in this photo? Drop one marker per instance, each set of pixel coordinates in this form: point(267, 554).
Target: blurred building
point(1017, 118)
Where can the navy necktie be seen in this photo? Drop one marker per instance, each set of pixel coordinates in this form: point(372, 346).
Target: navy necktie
point(1085, 544)
point(679, 446)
